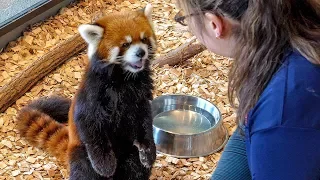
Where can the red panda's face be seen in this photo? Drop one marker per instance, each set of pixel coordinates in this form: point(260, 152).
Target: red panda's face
point(122, 38)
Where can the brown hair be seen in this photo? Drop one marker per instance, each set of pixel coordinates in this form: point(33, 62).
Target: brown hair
point(267, 30)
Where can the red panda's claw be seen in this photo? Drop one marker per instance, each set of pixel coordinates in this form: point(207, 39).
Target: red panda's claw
point(146, 155)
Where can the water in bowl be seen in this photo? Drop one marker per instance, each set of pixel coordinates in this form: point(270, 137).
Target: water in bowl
point(182, 121)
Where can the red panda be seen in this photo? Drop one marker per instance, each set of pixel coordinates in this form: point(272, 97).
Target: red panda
point(105, 132)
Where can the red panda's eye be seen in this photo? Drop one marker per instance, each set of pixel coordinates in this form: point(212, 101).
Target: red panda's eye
point(144, 40)
point(125, 45)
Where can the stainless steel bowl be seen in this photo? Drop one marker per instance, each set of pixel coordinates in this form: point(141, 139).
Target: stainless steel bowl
point(187, 126)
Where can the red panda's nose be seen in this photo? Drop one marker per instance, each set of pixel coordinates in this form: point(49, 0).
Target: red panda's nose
point(140, 53)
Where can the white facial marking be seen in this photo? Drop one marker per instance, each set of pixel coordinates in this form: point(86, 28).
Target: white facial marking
point(148, 11)
point(142, 35)
point(92, 34)
point(130, 57)
point(129, 39)
point(153, 42)
point(113, 54)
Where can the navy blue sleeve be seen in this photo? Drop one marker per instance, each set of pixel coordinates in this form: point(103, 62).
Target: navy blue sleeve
point(283, 130)
point(233, 163)
point(283, 153)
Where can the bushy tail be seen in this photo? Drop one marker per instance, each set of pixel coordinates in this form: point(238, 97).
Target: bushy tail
point(40, 123)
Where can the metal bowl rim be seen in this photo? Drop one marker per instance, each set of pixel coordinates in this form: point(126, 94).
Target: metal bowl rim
point(205, 154)
point(203, 132)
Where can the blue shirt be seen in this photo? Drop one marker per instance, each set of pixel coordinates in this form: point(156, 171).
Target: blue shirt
point(283, 129)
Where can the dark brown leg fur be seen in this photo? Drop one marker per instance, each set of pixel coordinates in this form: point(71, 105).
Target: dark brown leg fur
point(80, 166)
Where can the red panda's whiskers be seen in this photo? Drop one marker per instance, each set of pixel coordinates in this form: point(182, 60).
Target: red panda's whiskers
point(113, 62)
point(128, 75)
point(151, 50)
point(132, 74)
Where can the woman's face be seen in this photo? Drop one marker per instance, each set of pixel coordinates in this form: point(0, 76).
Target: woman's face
point(215, 33)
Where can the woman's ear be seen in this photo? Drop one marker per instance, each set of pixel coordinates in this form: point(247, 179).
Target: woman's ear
point(214, 24)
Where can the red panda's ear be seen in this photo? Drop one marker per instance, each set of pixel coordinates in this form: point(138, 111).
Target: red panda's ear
point(92, 34)
point(148, 12)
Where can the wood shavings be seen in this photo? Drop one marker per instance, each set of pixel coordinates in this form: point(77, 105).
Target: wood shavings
point(205, 75)
point(31, 159)
point(57, 77)
point(4, 56)
point(28, 39)
point(77, 75)
point(15, 173)
point(3, 165)
point(15, 57)
point(7, 143)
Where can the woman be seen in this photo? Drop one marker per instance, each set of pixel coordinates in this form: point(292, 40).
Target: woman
point(275, 77)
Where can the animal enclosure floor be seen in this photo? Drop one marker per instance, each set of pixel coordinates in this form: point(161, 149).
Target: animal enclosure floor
point(205, 75)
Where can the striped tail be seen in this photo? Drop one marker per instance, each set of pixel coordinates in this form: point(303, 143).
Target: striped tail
point(41, 124)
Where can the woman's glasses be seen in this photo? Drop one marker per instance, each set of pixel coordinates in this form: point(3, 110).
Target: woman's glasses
point(180, 18)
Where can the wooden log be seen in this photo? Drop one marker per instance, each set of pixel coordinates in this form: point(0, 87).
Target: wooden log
point(182, 53)
point(24, 81)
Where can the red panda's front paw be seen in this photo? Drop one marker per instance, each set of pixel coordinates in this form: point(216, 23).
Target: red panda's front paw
point(147, 155)
point(145, 158)
point(104, 163)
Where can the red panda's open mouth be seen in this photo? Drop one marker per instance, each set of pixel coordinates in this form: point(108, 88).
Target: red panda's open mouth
point(136, 65)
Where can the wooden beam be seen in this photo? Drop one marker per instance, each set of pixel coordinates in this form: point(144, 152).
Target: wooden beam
point(25, 80)
point(182, 53)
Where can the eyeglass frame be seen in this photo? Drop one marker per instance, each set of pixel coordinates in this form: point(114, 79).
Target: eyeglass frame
point(180, 19)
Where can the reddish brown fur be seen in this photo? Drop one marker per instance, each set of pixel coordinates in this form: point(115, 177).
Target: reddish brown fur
point(40, 130)
point(74, 140)
point(43, 132)
point(117, 26)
